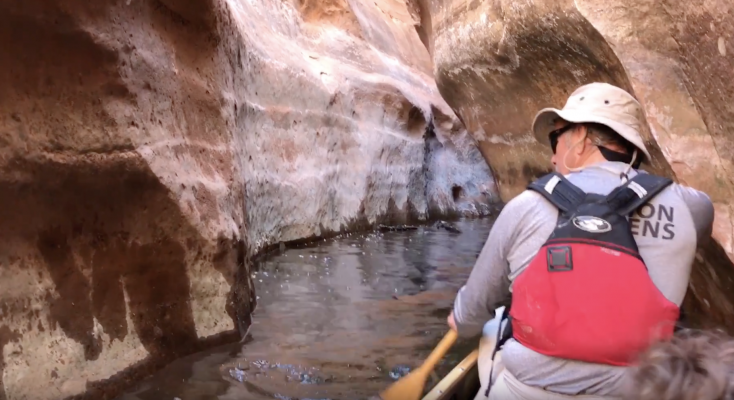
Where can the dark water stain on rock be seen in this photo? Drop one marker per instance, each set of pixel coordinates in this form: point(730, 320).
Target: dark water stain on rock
point(72, 311)
point(6, 336)
point(106, 235)
point(157, 285)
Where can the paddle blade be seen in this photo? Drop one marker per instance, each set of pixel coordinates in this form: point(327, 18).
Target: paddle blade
point(409, 387)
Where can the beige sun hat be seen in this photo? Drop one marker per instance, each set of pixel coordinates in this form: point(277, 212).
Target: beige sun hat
point(601, 103)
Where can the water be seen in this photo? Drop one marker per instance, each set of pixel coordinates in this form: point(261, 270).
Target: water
point(339, 319)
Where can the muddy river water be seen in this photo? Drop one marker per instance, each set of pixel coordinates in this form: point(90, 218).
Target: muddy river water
point(337, 319)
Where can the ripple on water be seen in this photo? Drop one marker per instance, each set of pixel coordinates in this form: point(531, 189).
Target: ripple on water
point(339, 319)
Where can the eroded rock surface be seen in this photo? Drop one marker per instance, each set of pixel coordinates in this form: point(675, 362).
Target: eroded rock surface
point(498, 62)
point(122, 206)
point(455, 173)
point(149, 148)
point(334, 112)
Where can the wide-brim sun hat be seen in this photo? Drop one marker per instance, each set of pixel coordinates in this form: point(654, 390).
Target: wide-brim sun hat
point(600, 103)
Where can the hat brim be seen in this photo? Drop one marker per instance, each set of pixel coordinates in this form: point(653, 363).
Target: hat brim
point(544, 122)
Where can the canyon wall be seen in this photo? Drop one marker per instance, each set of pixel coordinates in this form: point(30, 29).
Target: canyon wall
point(149, 148)
point(498, 62)
point(336, 103)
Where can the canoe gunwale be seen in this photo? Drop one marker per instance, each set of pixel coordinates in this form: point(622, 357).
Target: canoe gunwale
point(461, 383)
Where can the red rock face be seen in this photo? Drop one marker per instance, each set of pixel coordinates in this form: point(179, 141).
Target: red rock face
point(149, 148)
point(498, 62)
point(122, 224)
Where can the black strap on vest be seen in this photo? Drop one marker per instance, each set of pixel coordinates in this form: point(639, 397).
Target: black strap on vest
point(625, 158)
point(636, 192)
point(503, 335)
point(559, 191)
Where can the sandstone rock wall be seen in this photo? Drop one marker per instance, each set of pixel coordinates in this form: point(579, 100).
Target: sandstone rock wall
point(335, 106)
point(122, 201)
point(498, 62)
point(149, 148)
point(455, 174)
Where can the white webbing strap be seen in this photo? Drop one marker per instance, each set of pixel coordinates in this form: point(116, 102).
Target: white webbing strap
point(639, 190)
point(552, 184)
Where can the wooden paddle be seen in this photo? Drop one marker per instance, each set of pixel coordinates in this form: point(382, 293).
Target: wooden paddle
point(410, 387)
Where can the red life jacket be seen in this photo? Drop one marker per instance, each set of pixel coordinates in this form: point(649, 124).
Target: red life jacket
point(587, 294)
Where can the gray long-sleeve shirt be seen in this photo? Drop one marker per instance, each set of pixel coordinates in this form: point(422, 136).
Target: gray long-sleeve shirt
point(667, 231)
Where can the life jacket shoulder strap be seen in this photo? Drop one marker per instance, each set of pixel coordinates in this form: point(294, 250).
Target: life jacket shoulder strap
point(627, 198)
point(503, 335)
point(559, 191)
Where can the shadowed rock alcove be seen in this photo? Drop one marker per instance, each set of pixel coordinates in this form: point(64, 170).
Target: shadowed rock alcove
point(498, 62)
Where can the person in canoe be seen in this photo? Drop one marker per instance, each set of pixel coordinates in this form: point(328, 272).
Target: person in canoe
point(586, 288)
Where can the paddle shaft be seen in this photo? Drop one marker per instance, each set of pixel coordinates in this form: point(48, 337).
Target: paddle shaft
point(437, 354)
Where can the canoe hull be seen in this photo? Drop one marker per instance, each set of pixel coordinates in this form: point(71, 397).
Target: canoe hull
point(462, 383)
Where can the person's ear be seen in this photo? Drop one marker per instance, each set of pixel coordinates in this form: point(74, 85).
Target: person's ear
point(579, 135)
point(575, 136)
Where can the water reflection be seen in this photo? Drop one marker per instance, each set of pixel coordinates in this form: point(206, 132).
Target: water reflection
point(336, 320)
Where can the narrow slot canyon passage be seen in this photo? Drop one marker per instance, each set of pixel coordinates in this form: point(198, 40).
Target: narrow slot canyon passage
point(164, 163)
point(338, 319)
